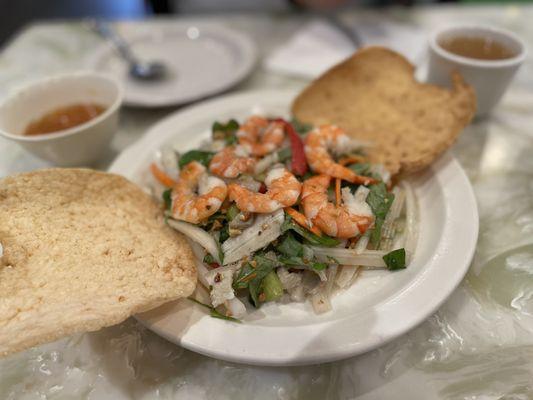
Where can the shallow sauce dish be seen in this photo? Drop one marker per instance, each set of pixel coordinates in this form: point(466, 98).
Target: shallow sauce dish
point(378, 307)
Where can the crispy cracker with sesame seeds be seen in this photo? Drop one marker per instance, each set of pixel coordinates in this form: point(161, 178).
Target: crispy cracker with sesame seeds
point(374, 96)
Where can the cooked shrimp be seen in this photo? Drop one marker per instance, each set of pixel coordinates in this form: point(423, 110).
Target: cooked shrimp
point(231, 162)
point(259, 136)
point(317, 146)
point(344, 221)
point(283, 190)
point(187, 205)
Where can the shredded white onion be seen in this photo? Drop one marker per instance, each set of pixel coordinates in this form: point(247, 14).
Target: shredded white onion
point(310, 281)
point(331, 274)
point(411, 220)
point(266, 228)
point(381, 171)
point(308, 253)
point(220, 281)
point(263, 164)
point(322, 275)
point(212, 145)
point(345, 275)
point(198, 235)
point(399, 241)
point(289, 280)
point(389, 224)
point(249, 183)
point(235, 307)
point(167, 160)
point(368, 258)
point(201, 269)
point(320, 301)
point(362, 243)
point(297, 293)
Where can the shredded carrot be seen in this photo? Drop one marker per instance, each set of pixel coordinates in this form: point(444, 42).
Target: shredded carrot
point(338, 191)
point(351, 160)
point(302, 220)
point(161, 176)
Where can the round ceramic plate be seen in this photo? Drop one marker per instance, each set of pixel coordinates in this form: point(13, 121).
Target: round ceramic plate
point(202, 61)
point(380, 306)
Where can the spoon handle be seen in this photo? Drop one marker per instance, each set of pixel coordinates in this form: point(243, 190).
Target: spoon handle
point(105, 30)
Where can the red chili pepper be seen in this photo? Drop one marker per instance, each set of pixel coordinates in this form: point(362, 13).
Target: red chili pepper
point(298, 160)
point(214, 265)
point(262, 188)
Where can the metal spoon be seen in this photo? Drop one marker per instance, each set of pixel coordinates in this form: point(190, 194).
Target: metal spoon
point(140, 70)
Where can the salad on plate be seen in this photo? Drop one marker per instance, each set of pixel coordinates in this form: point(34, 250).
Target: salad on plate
point(283, 211)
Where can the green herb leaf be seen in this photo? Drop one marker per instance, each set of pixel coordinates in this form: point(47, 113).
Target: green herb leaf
point(289, 246)
point(225, 131)
point(243, 277)
point(232, 212)
point(213, 311)
point(224, 234)
point(209, 259)
point(310, 237)
point(284, 154)
point(361, 169)
point(293, 261)
point(379, 201)
point(395, 259)
point(203, 157)
point(167, 199)
point(307, 175)
point(231, 139)
point(301, 127)
point(251, 278)
point(218, 216)
point(300, 263)
point(319, 266)
point(271, 287)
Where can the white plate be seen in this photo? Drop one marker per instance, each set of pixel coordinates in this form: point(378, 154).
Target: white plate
point(381, 305)
point(202, 60)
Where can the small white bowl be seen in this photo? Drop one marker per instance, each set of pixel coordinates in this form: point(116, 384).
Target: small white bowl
point(80, 145)
point(489, 78)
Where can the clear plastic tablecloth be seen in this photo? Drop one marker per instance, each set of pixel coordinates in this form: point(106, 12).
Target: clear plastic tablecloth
point(478, 345)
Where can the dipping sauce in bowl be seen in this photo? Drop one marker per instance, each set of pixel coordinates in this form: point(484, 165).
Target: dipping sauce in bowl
point(68, 119)
point(64, 118)
point(486, 56)
point(482, 48)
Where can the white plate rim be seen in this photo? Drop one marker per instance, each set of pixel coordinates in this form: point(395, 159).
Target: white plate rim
point(241, 40)
point(460, 232)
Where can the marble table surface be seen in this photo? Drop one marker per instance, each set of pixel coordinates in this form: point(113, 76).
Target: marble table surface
point(478, 345)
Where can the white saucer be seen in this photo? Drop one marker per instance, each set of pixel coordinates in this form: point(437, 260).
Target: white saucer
point(202, 61)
